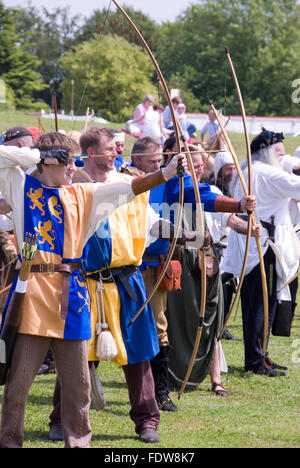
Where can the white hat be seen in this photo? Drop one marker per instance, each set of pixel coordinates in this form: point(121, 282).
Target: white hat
point(222, 158)
point(297, 152)
point(119, 136)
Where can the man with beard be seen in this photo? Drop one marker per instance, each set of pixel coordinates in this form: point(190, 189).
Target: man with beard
point(273, 188)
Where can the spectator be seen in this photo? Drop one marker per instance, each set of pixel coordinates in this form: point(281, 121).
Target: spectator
point(153, 124)
point(167, 116)
point(141, 110)
point(212, 128)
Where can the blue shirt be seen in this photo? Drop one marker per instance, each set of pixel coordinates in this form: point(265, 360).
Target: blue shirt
point(119, 161)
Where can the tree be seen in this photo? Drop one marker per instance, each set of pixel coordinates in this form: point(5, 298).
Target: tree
point(263, 38)
point(17, 65)
point(110, 75)
point(47, 35)
point(103, 22)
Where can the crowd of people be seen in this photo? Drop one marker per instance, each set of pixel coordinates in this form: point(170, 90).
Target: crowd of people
point(105, 225)
point(155, 120)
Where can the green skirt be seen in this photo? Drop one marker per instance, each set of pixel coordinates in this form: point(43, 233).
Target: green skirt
point(183, 319)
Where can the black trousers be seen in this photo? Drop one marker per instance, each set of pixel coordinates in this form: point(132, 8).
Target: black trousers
point(253, 310)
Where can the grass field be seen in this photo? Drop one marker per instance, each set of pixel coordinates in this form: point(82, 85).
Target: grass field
point(13, 118)
point(259, 413)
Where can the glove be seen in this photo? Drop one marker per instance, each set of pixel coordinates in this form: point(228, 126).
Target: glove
point(171, 169)
point(196, 239)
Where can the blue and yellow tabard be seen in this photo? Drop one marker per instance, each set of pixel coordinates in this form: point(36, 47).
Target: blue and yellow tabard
point(120, 241)
point(60, 217)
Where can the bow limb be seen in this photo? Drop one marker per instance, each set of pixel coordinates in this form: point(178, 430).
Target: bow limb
point(245, 190)
point(181, 189)
point(260, 254)
point(200, 224)
point(261, 261)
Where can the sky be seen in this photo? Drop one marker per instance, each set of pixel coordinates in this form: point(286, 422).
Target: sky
point(159, 10)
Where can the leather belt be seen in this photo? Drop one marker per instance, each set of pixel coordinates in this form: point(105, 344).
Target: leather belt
point(151, 258)
point(109, 275)
point(66, 269)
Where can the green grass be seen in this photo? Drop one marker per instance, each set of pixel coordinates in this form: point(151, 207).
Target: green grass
point(260, 412)
point(13, 118)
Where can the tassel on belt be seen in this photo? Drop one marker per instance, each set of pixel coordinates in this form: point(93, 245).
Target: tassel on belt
point(109, 275)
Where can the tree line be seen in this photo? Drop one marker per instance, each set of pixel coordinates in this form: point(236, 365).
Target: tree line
point(98, 61)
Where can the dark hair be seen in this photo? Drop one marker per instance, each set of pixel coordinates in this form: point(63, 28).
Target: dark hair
point(169, 143)
point(92, 137)
point(158, 106)
point(177, 100)
point(52, 140)
point(142, 144)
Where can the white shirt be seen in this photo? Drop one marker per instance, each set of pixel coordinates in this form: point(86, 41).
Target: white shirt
point(217, 222)
point(151, 126)
point(274, 189)
point(6, 222)
point(106, 197)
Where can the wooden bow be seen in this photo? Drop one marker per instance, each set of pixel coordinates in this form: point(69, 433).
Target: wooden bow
point(200, 221)
point(251, 219)
point(176, 130)
point(200, 224)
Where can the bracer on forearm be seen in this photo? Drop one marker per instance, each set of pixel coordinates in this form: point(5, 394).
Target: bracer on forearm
point(227, 205)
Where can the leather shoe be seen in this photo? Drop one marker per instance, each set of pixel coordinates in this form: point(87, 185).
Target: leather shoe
point(56, 433)
point(168, 405)
point(264, 369)
point(228, 336)
point(149, 435)
point(220, 392)
point(273, 365)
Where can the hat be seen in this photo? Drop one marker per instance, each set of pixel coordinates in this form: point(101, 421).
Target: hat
point(222, 159)
point(35, 132)
point(119, 137)
point(297, 152)
point(14, 133)
point(264, 139)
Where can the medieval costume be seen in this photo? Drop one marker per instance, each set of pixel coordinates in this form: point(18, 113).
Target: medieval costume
point(273, 188)
point(56, 306)
point(115, 253)
point(184, 305)
point(117, 291)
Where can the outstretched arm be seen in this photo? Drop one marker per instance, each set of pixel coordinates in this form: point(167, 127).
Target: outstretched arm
point(146, 182)
point(229, 205)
